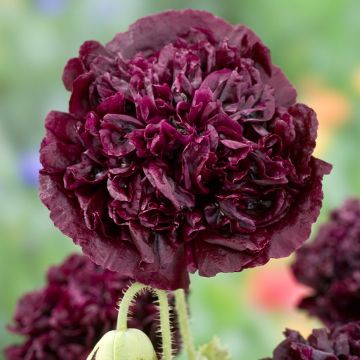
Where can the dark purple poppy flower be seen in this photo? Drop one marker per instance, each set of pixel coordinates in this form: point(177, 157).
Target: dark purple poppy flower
point(78, 305)
point(339, 343)
point(184, 149)
point(331, 266)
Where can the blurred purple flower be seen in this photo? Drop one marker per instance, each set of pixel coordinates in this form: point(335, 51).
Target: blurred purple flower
point(29, 164)
point(337, 343)
point(109, 9)
point(66, 318)
point(330, 265)
point(51, 7)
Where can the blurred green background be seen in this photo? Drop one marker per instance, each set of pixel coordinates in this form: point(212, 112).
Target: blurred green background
point(317, 45)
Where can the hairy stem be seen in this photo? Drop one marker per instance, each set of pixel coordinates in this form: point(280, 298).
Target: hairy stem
point(164, 309)
point(125, 304)
point(165, 327)
point(184, 324)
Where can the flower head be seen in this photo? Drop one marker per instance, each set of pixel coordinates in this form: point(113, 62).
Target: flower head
point(184, 149)
point(330, 265)
point(78, 305)
point(339, 343)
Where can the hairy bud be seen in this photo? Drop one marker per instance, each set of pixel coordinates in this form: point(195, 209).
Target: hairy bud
point(131, 344)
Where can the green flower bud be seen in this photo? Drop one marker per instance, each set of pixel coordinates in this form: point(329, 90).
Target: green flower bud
point(131, 344)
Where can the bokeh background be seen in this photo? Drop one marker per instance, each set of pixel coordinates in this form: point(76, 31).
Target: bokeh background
point(317, 45)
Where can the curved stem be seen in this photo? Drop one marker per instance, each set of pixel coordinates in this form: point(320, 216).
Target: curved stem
point(164, 309)
point(125, 304)
point(184, 324)
point(165, 327)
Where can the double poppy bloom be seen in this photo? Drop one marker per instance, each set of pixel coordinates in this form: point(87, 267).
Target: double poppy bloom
point(183, 150)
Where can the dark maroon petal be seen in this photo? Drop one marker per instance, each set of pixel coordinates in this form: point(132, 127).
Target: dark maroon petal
point(213, 258)
point(306, 125)
point(140, 237)
point(64, 213)
point(56, 156)
point(114, 144)
point(250, 44)
point(151, 33)
point(63, 126)
point(112, 105)
point(83, 173)
point(292, 230)
point(194, 158)
point(73, 69)
point(169, 271)
point(90, 50)
point(285, 93)
point(179, 197)
point(80, 100)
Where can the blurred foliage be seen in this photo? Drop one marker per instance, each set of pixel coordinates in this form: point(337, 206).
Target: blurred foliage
point(315, 42)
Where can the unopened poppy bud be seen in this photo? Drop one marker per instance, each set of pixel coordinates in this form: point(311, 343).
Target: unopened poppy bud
point(131, 344)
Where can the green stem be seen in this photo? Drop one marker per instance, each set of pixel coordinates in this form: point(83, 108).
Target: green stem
point(184, 324)
point(165, 327)
point(125, 304)
point(164, 308)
